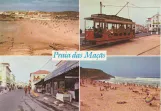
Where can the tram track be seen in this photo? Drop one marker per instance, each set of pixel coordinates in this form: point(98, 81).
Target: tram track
point(92, 47)
point(106, 44)
point(136, 46)
point(148, 50)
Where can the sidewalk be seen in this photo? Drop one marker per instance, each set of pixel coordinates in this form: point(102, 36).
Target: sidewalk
point(55, 104)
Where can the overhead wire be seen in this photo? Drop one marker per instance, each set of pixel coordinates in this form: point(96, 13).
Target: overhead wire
point(129, 6)
point(45, 63)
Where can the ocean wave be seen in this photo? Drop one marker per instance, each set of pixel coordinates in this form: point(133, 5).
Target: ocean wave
point(138, 80)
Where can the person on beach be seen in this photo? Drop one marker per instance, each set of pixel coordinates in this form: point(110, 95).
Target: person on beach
point(25, 89)
point(157, 87)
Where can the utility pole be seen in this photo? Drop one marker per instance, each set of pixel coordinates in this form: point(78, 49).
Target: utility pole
point(100, 7)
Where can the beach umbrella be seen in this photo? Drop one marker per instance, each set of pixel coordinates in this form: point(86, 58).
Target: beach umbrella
point(149, 99)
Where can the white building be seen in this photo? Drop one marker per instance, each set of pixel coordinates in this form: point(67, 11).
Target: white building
point(20, 84)
point(1, 12)
point(37, 76)
point(5, 73)
point(153, 23)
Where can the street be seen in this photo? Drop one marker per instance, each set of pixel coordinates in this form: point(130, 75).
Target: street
point(17, 101)
point(147, 45)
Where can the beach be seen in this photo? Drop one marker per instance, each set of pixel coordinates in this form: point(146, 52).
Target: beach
point(94, 96)
point(38, 37)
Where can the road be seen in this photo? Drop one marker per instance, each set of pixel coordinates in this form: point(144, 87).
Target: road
point(147, 45)
point(17, 101)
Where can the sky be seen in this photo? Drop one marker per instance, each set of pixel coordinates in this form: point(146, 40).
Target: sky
point(127, 66)
point(22, 66)
point(88, 7)
point(39, 5)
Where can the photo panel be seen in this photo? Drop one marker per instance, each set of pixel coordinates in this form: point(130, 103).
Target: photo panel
point(36, 83)
point(36, 27)
point(120, 84)
point(121, 27)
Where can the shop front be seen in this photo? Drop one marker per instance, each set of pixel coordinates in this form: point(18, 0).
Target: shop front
point(64, 81)
point(40, 86)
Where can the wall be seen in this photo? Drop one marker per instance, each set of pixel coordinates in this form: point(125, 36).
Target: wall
point(41, 76)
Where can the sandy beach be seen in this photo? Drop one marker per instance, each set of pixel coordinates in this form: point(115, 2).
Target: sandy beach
point(117, 97)
point(38, 37)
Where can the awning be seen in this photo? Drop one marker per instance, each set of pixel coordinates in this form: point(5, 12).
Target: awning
point(68, 65)
point(39, 82)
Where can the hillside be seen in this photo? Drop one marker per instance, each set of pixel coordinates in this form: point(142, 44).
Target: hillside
point(95, 74)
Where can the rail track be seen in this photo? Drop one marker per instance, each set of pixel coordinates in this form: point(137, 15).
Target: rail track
point(94, 46)
point(150, 50)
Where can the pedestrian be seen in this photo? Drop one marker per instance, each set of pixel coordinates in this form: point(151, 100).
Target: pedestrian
point(25, 89)
point(76, 87)
point(29, 89)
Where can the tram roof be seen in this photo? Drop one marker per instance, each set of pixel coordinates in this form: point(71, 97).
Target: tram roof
point(109, 18)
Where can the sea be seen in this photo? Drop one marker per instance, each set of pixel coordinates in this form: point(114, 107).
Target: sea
point(137, 80)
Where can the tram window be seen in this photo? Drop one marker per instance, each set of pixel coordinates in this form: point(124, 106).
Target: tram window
point(96, 24)
point(129, 26)
point(99, 24)
point(106, 25)
point(89, 24)
point(109, 26)
point(102, 25)
point(124, 26)
point(117, 26)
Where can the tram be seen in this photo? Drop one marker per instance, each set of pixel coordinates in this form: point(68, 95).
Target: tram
point(108, 28)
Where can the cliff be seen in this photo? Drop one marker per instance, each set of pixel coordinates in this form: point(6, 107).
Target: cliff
point(95, 74)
